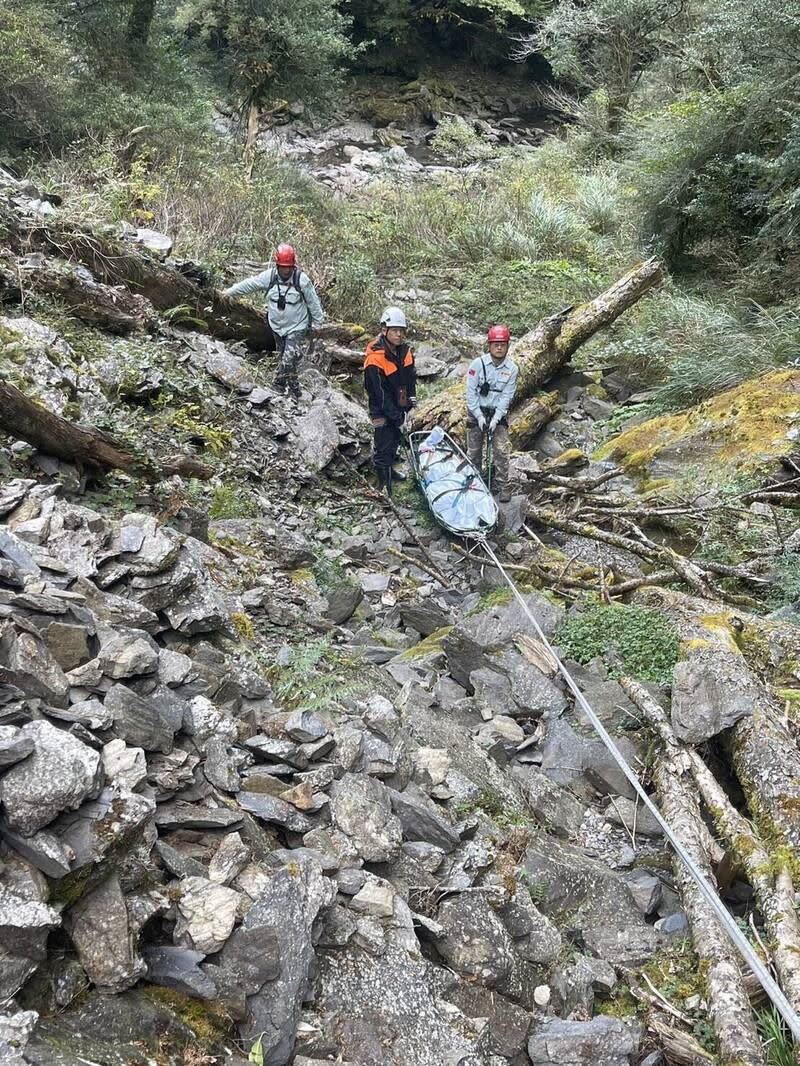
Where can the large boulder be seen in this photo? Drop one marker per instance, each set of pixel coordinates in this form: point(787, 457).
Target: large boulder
point(317, 437)
point(100, 928)
point(474, 941)
point(287, 908)
point(599, 903)
point(711, 691)
point(390, 1009)
point(468, 644)
point(58, 776)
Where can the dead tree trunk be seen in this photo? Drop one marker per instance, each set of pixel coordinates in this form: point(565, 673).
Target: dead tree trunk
point(111, 308)
point(166, 289)
point(531, 418)
point(543, 351)
point(772, 883)
point(50, 433)
point(763, 752)
point(729, 1006)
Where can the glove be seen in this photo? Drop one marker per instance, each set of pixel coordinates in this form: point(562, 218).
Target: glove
point(481, 422)
point(494, 423)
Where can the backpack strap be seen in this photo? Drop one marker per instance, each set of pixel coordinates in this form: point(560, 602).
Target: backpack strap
point(293, 281)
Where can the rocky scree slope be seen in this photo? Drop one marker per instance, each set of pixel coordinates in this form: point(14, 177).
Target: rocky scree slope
point(265, 779)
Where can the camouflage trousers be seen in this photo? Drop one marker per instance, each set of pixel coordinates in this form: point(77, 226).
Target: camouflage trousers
point(500, 451)
point(291, 348)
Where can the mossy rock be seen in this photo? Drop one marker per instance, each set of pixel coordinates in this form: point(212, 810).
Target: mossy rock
point(141, 1027)
point(431, 645)
point(731, 436)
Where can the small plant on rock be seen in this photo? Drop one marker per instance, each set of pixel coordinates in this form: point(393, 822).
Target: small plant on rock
point(639, 641)
point(230, 501)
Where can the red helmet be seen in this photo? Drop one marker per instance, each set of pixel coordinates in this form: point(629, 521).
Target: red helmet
point(499, 335)
point(284, 256)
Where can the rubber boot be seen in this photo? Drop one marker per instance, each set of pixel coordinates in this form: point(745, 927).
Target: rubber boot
point(385, 481)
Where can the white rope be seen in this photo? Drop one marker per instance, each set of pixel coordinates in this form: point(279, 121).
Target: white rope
point(707, 890)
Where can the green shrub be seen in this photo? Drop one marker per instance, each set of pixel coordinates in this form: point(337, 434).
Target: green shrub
point(457, 141)
point(641, 641)
point(693, 347)
point(231, 501)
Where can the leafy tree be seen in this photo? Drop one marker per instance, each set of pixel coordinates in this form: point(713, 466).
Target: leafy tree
point(604, 45)
point(719, 163)
point(37, 87)
point(271, 49)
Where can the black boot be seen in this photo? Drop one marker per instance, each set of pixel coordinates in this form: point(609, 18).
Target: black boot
point(385, 481)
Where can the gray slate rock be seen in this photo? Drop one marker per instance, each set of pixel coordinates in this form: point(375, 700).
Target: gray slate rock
point(342, 601)
point(13, 549)
point(25, 923)
point(252, 957)
point(275, 811)
point(59, 775)
point(139, 722)
point(361, 808)
point(100, 929)
point(43, 850)
point(207, 914)
point(711, 691)
point(305, 727)
point(475, 941)
point(316, 437)
point(181, 815)
point(123, 657)
point(179, 968)
point(599, 1042)
point(289, 906)
point(420, 820)
point(32, 667)
point(104, 828)
point(14, 745)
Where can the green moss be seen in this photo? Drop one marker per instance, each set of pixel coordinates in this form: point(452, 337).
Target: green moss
point(496, 598)
point(620, 1004)
point(735, 433)
point(643, 641)
point(207, 1019)
point(243, 624)
point(428, 646)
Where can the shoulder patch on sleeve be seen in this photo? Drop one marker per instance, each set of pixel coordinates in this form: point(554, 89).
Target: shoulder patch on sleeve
point(472, 373)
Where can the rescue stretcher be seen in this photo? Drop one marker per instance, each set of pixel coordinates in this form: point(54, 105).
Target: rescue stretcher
point(456, 493)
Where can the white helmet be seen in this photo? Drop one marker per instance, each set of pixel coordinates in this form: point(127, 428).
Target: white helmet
point(393, 316)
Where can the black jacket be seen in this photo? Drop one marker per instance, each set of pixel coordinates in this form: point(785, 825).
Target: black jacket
point(390, 379)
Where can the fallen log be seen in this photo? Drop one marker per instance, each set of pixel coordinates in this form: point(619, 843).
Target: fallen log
point(692, 572)
point(169, 291)
point(526, 422)
point(112, 308)
point(769, 875)
point(24, 418)
point(549, 346)
point(738, 1042)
